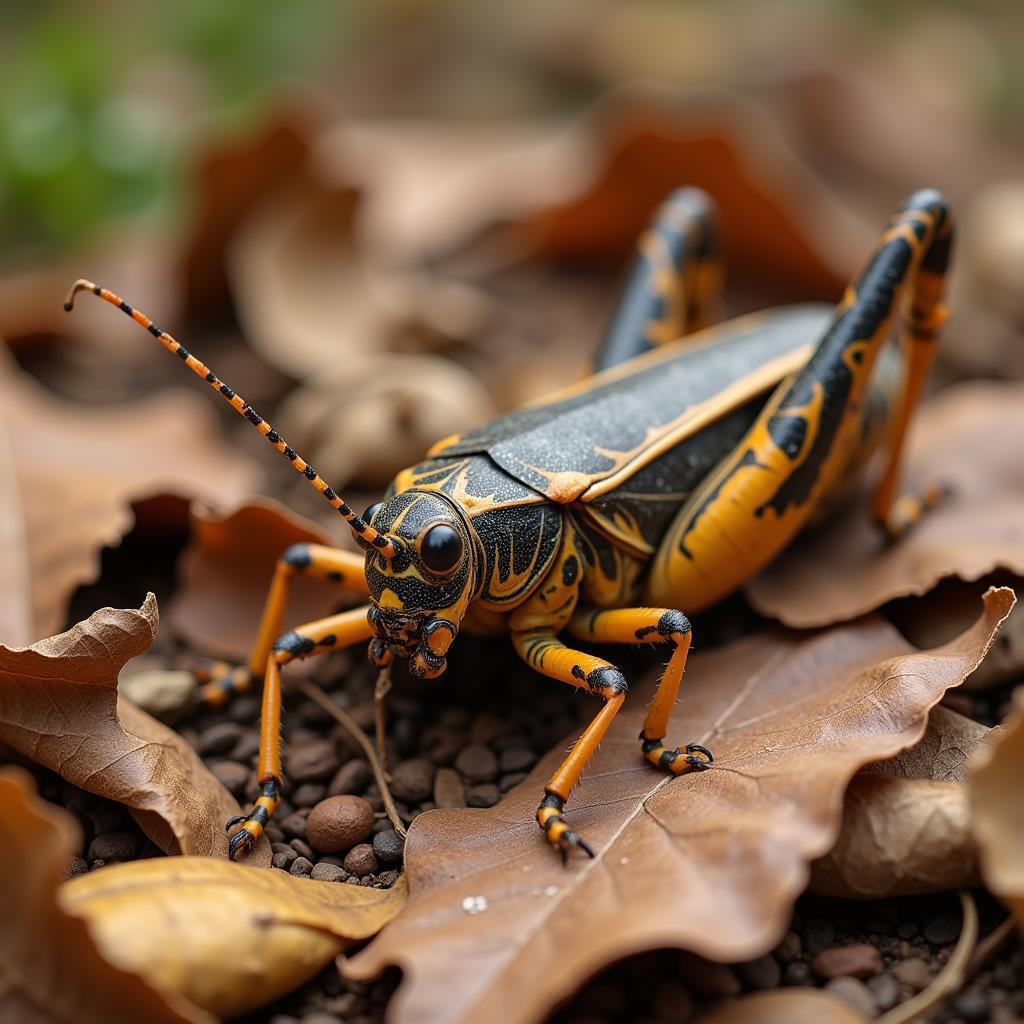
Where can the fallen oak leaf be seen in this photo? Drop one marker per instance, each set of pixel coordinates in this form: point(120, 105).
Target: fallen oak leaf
point(905, 827)
point(954, 440)
point(50, 969)
point(996, 818)
point(78, 469)
point(225, 936)
point(497, 930)
point(59, 707)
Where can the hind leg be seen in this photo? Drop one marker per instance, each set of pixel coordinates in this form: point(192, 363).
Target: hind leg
point(675, 283)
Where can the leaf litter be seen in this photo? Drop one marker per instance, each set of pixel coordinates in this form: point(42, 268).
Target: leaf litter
point(710, 862)
point(59, 707)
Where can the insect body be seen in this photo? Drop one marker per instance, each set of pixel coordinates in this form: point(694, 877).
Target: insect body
point(653, 488)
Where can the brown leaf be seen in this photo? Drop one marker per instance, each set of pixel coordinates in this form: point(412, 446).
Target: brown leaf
point(224, 936)
point(785, 1006)
point(960, 438)
point(905, 820)
point(996, 818)
point(50, 969)
point(225, 573)
point(711, 862)
point(59, 707)
point(78, 469)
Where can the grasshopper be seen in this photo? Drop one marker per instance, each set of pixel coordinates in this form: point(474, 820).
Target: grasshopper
point(659, 485)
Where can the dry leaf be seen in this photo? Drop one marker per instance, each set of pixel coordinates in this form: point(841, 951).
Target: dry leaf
point(785, 1006)
point(996, 818)
point(225, 573)
point(960, 438)
point(59, 707)
point(225, 936)
point(497, 930)
point(379, 416)
point(50, 969)
point(78, 469)
point(905, 820)
point(948, 610)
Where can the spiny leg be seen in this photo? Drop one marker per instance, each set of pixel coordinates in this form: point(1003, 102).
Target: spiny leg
point(650, 626)
point(327, 634)
point(221, 681)
point(675, 283)
point(542, 650)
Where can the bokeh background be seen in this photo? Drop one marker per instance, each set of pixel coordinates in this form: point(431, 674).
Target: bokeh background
point(384, 222)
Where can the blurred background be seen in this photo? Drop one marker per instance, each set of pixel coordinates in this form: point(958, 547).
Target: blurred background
point(383, 222)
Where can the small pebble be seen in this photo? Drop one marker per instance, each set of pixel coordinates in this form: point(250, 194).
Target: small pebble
point(855, 994)
point(283, 860)
point(885, 990)
point(706, 978)
point(857, 961)
point(309, 794)
point(247, 747)
point(234, 777)
point(764, 972)
point(672, 1002)
point(302, 848)
point(449, 792)
point(913, 973)
point(313, 760)
point(114, 847)
point(351, 778)
point(943, 929)
point(165, 694)
point(361, 860)
point(75, 866)
point(484, 795)
point(516, 759)
point(486, 728)
point(294, 824)
point(412, 781)
point(971, 1006)
point(219, 739)
point(323, 872)
point(510, 781)
point(301, 867)
point(907, 930)
point(339, 822)
point(388, 846)
point(796, 973)
point(477, 763)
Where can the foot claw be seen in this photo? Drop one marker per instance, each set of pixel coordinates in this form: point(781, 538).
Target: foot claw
point(568, 841)
point(695, 748)
point(236, 820)
point(242, 842)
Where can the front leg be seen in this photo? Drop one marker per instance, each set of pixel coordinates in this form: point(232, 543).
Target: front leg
point(328, 634)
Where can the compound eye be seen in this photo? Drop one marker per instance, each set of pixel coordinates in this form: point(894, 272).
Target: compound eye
point(371, 511)
point(441, 548)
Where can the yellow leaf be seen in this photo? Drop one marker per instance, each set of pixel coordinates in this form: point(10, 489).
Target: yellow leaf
point(225, 936)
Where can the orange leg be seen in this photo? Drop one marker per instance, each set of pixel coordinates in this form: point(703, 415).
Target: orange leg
point(222, 681)
point(342, 630)
point(650, 626)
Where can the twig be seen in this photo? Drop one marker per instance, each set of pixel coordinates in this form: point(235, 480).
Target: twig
point(314, 693)
point(950, 979)
point(991, 944)
point(380, 691)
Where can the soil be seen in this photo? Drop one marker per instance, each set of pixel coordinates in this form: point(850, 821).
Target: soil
point(487, 738)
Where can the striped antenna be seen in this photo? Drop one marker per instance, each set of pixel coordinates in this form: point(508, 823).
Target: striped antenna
point(362, 529)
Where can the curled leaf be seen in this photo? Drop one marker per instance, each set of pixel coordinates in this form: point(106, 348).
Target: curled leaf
point(59, 706)
point(711, 862)
point(905, 820)
point(76, 471)
point(958, 439)
point(225, 573)
point(50, 969)
point(225, 936)
point(996, 818)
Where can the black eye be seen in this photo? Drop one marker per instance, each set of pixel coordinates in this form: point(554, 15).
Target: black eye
point(371, 511)
point(441, 548)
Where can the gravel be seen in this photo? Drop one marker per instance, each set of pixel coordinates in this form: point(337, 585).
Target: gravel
point(339, 822)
